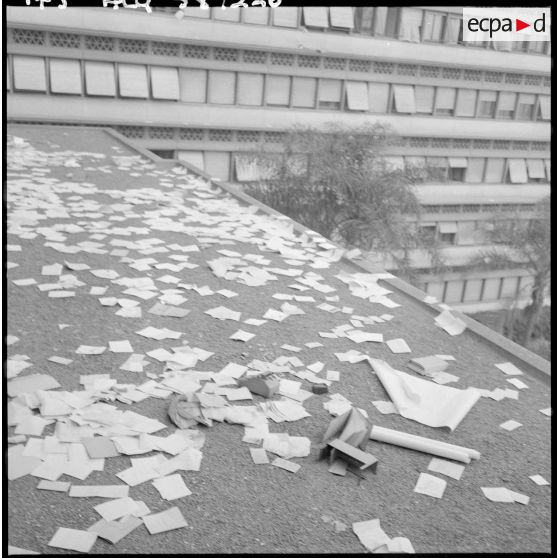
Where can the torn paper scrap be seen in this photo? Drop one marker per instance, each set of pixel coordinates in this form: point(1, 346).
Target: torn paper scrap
point(116, 508)
point(509, 369)
point(60, 360)
point(505, 495)
point(398, 346)
point(400, 545)
point(450, 323)
point(30, 383)
point(120, 347)
point(90, 350)
point(171, 487)
point(19, 464)
point(423, 401)
point(241, 335)
point(430, 485)
point(286, 446)
point(428, 365)
point(447, 468)
point(233, 370)
point(385, 407)
point(426, 445)
point(73, 539)
point(497, 494)
point(285, 464)
point(517, 383)
point(164, 521)
point(15, 367)
point(99, 447)
point(370, 534)
point(99, 491)
point(55, 486)
point(444, 378)
point(510, 425)
point(114, 531)
point(538, 479)
point(259, 456)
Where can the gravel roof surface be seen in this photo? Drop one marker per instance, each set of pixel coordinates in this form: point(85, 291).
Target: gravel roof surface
point(237, 506)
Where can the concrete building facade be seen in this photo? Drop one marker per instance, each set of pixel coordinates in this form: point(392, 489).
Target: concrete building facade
point(208, 86)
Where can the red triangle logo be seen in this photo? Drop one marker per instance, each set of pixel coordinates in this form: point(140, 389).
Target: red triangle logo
point(519, 25)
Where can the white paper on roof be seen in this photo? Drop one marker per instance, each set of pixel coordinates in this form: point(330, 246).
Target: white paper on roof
point(424, 401)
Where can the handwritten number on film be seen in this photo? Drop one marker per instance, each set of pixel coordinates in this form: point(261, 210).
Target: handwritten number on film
point(146, 4)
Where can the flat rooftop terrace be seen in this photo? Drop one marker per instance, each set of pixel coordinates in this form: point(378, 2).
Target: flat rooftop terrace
point(98, 234)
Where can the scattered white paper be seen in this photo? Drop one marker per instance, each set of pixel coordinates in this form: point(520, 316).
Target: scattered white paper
point(430, 485)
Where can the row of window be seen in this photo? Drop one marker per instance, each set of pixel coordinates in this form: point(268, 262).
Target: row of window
point(476, 170)
point(466, 103)
point(451, 169)
point(479, 208)
point(99, 43)
point(406, 24)
point(487, 289)
point(457, 233)
point(254, 89)
point(268, 137)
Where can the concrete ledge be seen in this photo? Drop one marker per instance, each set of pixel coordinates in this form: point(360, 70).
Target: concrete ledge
point(535, 366)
